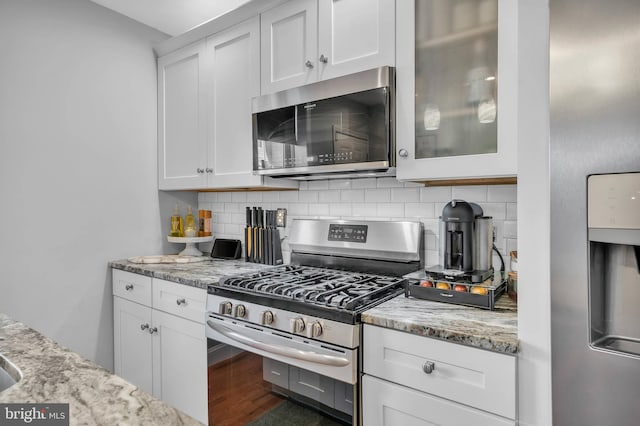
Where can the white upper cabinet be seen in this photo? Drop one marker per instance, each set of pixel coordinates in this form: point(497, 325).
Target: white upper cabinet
point(205, 138)
point(289, 45)
point(456, 80)
point(182, 118)
point(234, 78)
point(355, 35)
point(310, 40)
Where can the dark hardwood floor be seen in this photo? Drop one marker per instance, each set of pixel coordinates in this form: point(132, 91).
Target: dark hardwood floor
point(239, 393)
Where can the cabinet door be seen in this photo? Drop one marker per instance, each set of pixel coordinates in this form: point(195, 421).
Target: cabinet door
point(385, 403)
point(180, 364)
point(289, 37)
point(355, 35)
point(132, 343)
point(182, 149)
point(456, 89)
point(471, 376)
point(234, 79)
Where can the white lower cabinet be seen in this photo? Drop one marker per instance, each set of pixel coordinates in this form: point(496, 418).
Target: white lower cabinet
point(180, 364)
point(386, 403)
point(162, 351)
point(132, 343)
point(416, 380)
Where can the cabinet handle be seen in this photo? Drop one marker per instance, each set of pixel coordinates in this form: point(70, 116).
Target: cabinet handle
point(208, 170)
point(143, 327)
point(308, 64)
point(153, 330)
point(323, 59)
point(181, 301)
point(428, 367)
point(403, 153)
point(199, 170)
point(128, 287)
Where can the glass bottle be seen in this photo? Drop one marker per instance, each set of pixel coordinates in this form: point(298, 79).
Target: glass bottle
point(177, 229)
point(190, 229)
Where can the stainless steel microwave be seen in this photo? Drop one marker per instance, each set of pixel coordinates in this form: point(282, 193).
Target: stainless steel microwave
point(343, 127)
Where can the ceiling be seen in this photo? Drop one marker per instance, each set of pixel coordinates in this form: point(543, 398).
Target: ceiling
point(172, 17)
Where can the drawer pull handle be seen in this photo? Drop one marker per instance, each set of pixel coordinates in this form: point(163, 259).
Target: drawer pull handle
point(181, 301)
point(446, 295)
point(428, 367)
point(128, 287)
point(153, 330)
point(143, 327)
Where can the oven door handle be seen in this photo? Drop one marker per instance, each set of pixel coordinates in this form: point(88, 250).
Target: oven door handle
point(280, 350)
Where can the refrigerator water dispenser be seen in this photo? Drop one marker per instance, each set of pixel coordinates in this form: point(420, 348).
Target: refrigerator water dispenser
point(614, 262)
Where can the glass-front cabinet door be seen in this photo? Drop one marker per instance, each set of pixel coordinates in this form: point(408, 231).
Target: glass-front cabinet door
point(456, 89)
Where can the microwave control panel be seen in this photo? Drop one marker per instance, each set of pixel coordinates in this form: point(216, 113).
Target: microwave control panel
point(348, 233)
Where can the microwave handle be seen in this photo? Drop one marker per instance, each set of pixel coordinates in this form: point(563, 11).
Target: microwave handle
point(279, 350)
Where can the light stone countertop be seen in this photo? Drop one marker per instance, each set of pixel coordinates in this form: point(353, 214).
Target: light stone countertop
point(198, 274)
point(495, 330)
point(53, 374)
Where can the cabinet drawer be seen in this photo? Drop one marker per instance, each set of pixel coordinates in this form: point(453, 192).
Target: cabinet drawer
point(275, 372)
point(134, 287)
point(388, 404)
point(476, 377)
point(312, 385)
point(178, 299)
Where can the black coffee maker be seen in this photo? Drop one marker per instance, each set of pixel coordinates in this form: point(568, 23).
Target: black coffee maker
point(466, 242)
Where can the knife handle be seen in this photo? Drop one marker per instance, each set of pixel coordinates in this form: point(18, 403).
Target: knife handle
point(247, 244)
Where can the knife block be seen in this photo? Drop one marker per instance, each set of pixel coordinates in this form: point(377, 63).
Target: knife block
point(262, 237)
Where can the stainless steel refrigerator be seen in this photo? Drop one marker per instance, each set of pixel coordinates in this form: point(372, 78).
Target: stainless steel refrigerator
point(595, 211)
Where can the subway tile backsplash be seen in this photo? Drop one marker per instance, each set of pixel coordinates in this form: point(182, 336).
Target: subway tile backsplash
point(369, 199)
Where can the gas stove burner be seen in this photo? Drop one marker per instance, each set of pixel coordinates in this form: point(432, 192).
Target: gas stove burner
point(331, 276)
point(329, 288)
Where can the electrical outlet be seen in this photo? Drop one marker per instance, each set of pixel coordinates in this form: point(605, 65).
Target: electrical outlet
point(281, 218)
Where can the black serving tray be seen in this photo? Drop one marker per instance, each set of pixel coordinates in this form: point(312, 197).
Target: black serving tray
point(494, 291)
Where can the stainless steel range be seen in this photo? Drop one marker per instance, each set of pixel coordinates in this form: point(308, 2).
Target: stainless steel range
point(303, 319)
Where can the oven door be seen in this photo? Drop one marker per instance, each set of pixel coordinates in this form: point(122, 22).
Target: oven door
point(263, 375)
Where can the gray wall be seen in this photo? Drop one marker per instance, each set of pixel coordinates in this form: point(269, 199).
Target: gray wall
point(77, 165)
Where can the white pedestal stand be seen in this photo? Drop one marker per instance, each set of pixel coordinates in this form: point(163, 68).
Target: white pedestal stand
point(190, 249)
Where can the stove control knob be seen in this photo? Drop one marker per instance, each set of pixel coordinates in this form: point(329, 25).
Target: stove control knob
point(225, 308)
point(266, 318)
point(241, 311)
point(297, 325)
point(315, 329)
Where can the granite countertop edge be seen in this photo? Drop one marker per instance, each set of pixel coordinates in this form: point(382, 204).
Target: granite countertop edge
point(54, 374)
point(491, 330)
point(495, 331)
point(196, 274)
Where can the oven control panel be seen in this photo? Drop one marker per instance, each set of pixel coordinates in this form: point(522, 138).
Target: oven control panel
point(321, 329)
point(348, 233)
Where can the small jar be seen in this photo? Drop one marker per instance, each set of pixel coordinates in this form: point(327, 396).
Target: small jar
point(204, 223)
point(512, 286)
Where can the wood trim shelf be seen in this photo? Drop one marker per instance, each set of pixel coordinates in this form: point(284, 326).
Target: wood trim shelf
point(510, 180)
point(251, 189)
